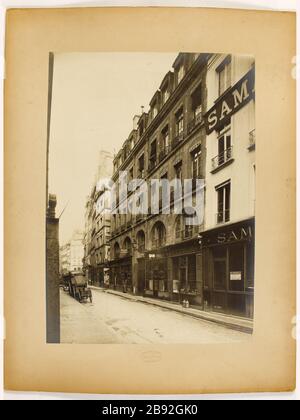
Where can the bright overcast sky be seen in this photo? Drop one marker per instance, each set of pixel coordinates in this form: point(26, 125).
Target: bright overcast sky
point(95, 96)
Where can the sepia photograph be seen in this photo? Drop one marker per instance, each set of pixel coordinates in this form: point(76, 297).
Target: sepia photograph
point(151, 198)
point(150, 205)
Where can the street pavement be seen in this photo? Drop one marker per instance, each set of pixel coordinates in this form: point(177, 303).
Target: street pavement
point(112, 319)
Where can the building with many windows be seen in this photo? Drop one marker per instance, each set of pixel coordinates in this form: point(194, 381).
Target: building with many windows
point(71, 254)
point(159, 254)
point(228, 237)
point(97, 225)
point(200, 125)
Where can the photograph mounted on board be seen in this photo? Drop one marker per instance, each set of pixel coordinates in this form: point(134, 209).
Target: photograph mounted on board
point(150, 198)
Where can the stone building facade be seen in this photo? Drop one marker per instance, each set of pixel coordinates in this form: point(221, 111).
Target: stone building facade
point(71, 254)
point(228, 237)
point(200, 126)
point(158, 254)
point(97, 225)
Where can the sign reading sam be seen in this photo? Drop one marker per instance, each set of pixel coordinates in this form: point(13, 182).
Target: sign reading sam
point(237, 97)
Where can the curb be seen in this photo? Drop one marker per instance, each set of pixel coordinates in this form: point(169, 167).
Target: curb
point(181, 310)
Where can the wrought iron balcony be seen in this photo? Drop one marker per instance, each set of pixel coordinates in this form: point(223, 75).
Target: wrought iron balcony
point(177, 139)
point(163, 153)
point(152, 164)
point(252, 140)
point(194, 122)
point(222, 158)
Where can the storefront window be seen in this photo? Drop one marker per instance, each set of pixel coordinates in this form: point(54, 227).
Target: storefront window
point(236, 267)
point(250, 267)
point(220, 268)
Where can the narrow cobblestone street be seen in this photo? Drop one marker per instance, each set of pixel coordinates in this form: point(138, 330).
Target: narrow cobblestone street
point(113, 319)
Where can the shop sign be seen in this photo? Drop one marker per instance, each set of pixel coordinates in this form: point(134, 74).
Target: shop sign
point(235, 235)
point(235, 275)
point(235, 99)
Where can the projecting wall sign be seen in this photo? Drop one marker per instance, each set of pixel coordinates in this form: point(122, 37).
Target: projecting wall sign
point(237, 97)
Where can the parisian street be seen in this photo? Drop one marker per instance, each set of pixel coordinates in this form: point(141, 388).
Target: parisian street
point(113, 319)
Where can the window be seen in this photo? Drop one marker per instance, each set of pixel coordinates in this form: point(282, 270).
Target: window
point(179, 125)
point(154, 111)
point(131, 174)
point(158, 235)
point(165, 140)
point(236, 268)
point(180, 74)
point(224, 148)
point(223, 198)
point(141, 241)
point(178, 171)
point(220, 270)
point(197, 105)
point(224, 75)
point(153, 154)
point(196, 163)
point(224, 145)
point(165, 95)
point(141, 172)
point(188, 228)
point(178, 228)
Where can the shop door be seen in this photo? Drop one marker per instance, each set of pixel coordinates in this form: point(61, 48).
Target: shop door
point(219, 298)
point(141, 277)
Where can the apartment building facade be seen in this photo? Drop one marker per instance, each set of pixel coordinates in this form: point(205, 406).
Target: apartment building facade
point(71, 254)
point(228, 237)
point(159, 254)
point(97, 225)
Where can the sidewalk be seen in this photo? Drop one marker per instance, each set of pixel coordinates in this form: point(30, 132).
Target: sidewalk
point(235, 323)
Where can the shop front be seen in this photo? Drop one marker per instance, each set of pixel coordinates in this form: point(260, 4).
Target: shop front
point(228, 269)
point(156, 275)
point(120, 275)
point(186, 273)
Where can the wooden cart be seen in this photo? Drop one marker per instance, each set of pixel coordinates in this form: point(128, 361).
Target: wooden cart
point(78, 288)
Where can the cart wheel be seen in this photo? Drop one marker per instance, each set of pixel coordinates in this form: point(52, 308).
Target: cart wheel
point(91, 298)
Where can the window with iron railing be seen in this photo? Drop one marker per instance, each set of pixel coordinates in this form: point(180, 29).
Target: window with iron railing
point(196, 163)
point(196, 99)
point(141, 167)
point(179, 127)
point(222, 158)
point(224, 148)
point(252, 139)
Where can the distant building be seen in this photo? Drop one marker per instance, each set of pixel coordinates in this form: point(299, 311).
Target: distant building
point(97, 225)
point(72, 253)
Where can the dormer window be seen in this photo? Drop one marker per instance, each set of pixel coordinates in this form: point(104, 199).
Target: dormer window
point(141, 128)
point(180, 74)
point(165, 95)
point(154, 111)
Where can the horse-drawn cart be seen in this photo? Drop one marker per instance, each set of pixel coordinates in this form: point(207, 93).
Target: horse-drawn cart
point(78, 287)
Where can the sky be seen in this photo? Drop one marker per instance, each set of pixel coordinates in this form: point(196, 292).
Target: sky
point(94, 99)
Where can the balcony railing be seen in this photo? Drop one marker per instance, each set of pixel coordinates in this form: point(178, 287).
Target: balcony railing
point(177, 139)
point(141, 173)
point(223, 216)
point(252, 139)
point(222, 158)
point(194, 122)
point(163, 153)
point(152, 164)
